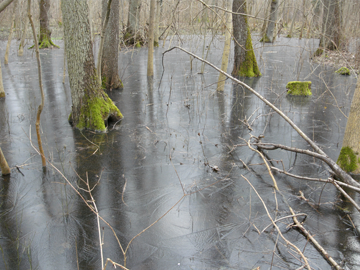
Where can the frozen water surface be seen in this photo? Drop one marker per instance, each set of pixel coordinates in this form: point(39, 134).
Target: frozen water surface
point(156, 166)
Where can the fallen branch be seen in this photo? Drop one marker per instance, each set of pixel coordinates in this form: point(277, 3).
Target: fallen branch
point(332, 164)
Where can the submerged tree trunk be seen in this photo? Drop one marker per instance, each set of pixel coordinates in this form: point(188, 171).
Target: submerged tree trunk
point(91, 106)
point(331, 27)
point(150, 64)
point(5, 170)
point(244, 59)
point(45, 32)
point(132, 31)
point(109, 63)
point(269, 35)
point(350, 151)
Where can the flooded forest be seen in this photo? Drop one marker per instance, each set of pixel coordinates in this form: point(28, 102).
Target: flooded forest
point(168, 134)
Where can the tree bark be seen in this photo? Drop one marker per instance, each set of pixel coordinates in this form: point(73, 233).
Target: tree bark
point(104, 23)
point(91, 106)
point(157, 22)
point(350, 149)
point(6, 61)
point(2, 91)
point(150, 64)
point(269, 35)
point(5, 170)
point(131, 35)
point(45, 32)
point(331, 27)
point(244, 59)
point(4, 4)
point(226, 52)
point(110, 56)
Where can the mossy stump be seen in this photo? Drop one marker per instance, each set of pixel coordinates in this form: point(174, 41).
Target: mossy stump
point(348, 160)
point(297, 88)
point(343, 71)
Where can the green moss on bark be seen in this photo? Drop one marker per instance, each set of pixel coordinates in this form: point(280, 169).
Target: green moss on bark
point(347, 160)
point(343, 71)
point(296, 88)
point(265, 39)
point(249, 67)
point(96, 112)
point(2, 94)
point(46, 42)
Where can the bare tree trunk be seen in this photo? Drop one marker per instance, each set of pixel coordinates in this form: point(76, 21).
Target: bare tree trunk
point(244, 59)
point(5, 170)
point(349, 154)
point(23, 35)
point(2, 91)
point(10, 34)
point(289, 35)
point(270, 35)
point(304, 19)
point(41, 106)
point(91, 106)
point(265, 22)
point(45, 32)
point(331, 27)
point(110, 56)
point(157, 22)
point(131, 35)
point(150, 64)
point(104, 23)
point(227, 45)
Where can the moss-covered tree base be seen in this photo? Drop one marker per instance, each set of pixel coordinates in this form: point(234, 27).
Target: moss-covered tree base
point(96, 114)
point(116, 84)
point(132, 40)
point(296, 88)
point(265, 39)
point(319, 52)
point(343, 71)
point(348, 160)
point(249, 67)
point(46, 42)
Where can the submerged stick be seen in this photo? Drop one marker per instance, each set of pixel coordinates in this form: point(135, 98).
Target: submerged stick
point(41, 106)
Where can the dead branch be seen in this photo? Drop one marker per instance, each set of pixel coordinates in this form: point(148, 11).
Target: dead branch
point(323, 157)
point(332, 164)
point(316, 179)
